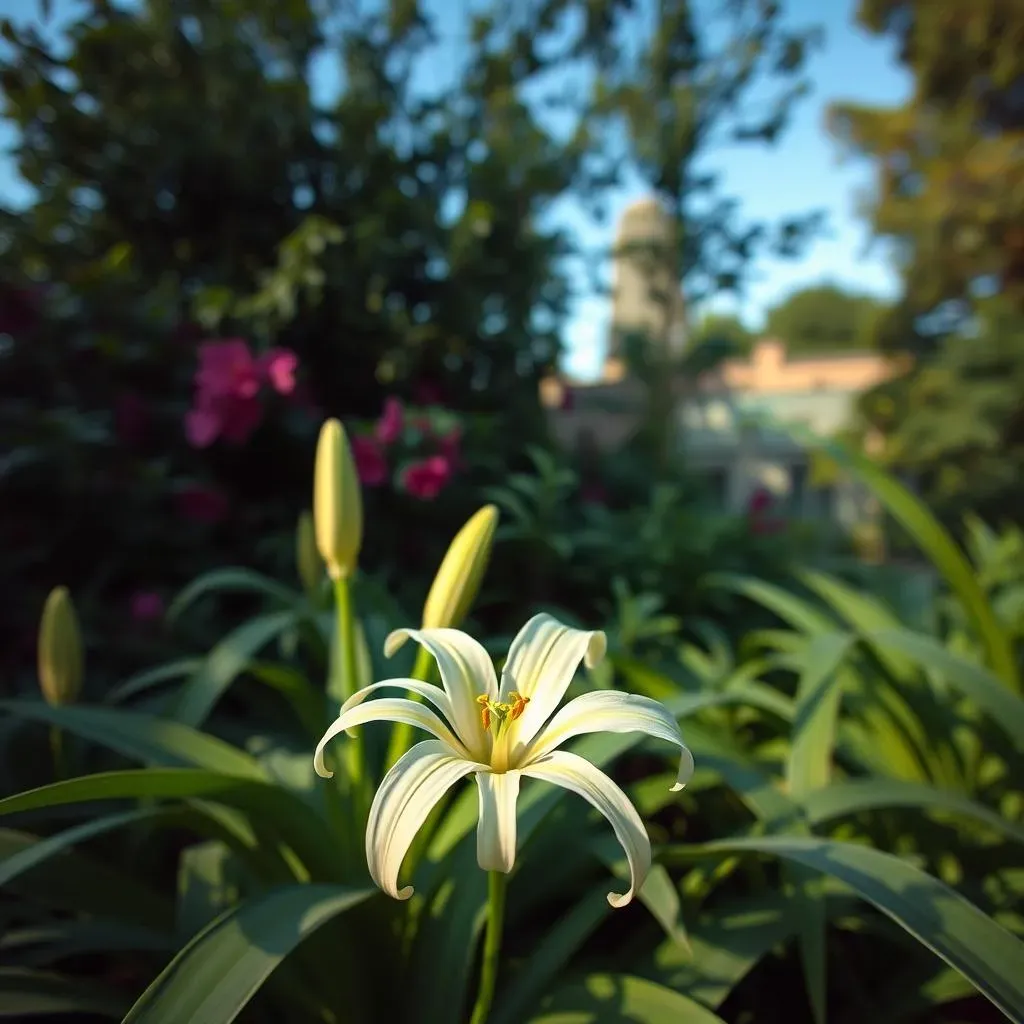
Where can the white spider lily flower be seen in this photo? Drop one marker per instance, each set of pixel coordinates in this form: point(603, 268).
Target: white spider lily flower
point(499, 734)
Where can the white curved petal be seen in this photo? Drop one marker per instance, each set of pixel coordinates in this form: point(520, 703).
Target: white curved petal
point(388, 709)
point(573, 772)
point(613, 711)
point(541, 662)
point(466, 673)
point(428, 691)
point(407, 794)
point(496, 827)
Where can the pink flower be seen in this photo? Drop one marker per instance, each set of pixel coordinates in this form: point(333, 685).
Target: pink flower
point(371, 464)
point(130, 419)
point(228, 368)
point(202, 427)
point(147, 606)
point(389, 426)
point(228, 383)
point(202, 504)
point(426, 479)
point(239, 418)
point(278, 366)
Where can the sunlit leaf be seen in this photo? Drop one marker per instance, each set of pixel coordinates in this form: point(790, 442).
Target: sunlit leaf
point(218, 972)
point(956, 930)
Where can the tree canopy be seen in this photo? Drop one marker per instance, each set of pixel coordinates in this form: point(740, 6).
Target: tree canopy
point(193, 178)
point(949, 193)
point(949, 196)
point(824, 318)
point(723, 327)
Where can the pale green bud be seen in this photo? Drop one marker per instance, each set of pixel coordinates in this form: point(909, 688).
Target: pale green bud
point(308, 562)
point(462, 570)
point(337, 502)
point(61, 659)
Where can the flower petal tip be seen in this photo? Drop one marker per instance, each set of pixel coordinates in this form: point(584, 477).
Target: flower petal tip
point(394, 641)
point(597, 647)
point(404, 893)
point(677, 787)
point(619, 900)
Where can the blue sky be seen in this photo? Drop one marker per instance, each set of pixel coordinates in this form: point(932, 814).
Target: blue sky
point(803, 171)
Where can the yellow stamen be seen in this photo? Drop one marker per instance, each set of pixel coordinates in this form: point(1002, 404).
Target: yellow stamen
point(519, 703)
point(500, 712)
point(485, 711)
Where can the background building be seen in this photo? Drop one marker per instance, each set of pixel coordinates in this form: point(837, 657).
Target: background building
point(721, 419)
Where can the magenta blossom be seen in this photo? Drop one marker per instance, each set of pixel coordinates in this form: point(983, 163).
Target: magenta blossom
point(228, 383)
point(278, 366)
point(228, 368)
point(389, 426)
point(371, 464)
point(426, 479)
point(147, 606)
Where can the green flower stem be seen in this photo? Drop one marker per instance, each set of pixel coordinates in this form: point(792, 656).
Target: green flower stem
point(401, 734)
point(496, 884)
point(349, 675)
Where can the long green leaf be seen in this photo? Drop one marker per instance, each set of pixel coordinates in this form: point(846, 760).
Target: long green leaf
point(224, 663)
point(725, 945)
point(973, 680)
point(845, 798)
point(71, 881)
point(213, 978)
point(32, 856)
point(940, 918)
point(446, 939)
point(308, 703)
point(817, 710)
point(658, 893)
point(131, 784)
point(900, 713)
point(42, 945)
point(231, 580)
point(926, 531)
point(613, 998)
point(142, 737)
point(270, 807)
point(143, 681)
point(549, 958)
point(25, 993)
point(798, 613)
point(808, 768)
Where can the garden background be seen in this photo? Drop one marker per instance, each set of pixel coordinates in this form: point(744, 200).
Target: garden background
point(211, 258)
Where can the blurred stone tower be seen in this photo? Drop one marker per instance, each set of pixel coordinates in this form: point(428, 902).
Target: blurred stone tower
point(646, 297)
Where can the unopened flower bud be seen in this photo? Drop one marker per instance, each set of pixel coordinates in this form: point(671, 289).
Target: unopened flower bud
point(458, 580)
point(337, 502)
point(61, 660)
